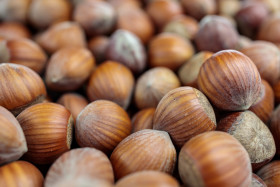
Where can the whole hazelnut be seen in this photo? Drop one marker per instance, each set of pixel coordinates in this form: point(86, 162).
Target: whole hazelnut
point(48, 131)
point(20, 87)
point(111, 81)
point(230, 80)
point(216, 33)
point(82, 163)
point(275, 128)
point(103, 125)
point(253, 134)
point(276, 90)
point(126, 48)
point(183, 25)
point(143, 119)
point(24, 52)
point(14, 10)
point(144, 150)
point(14, 30)
point(152, 85)
point(20, 173)
point(214, 159)
point(268, 65)
point(269, 29)
point(61, 35)
point(189, 71)
point(141, 25)
point(184, 113)
point(199, 8)
point(44, 13)
point(250, 17)
point(257, 181)
point(69, 68)
point(98, 46)
point(74, 102)
point(96, 17)
point(169, 50)
point(270, 174)
point(147, 178)
point(264, 105)
point(12, 140)
point(162, 11)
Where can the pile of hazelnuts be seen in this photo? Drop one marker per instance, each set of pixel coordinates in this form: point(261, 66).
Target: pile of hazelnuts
point(135, 93)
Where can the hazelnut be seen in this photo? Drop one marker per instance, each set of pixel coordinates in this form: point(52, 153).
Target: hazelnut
point(264, 105)
point(96, 17)
point(276, 89)
point(20, 173)
point(199, 8)
point(20, 87)
point(189, 71)
point(253, 134)
point(270, 174)
point(275, 128)
point(13, 30)
point(228, 7)
point(69, 68)
point(214, 159)
point(269, 29)
point(60, 35)
point(12, 140)
point(184, 113)
point(48, 131)
point(162, 11)
point(268, 65)
point(126, 48)
point(183, 25)
point(24, 52)
point(144, 150)
point(250, 17)
point(82, 181)
point(81, 163)
point(216, 33)
point(148, 178)
point(98, 46)
point(169, 50)
point(74, 102)
point(14, 10)
point(141, 25)
point(257, 181)
point(272, 5)
point(44, 13)
point(103, 125)
point(117, 4)
point(152, 85)
point(111, 81)
point(143, 119)
point(230, 80)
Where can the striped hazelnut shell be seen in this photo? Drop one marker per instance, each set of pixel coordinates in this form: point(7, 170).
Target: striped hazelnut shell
point(80, 163)
point(69, 68)
point(48, 131)
point(143, 119)
point(20, 173)
point(270, 174)
point(230, 80)
point(148, 178)
point(253, 134)
point(103, 125)
point(264, 105)
point(111, 81)
point(152, 85)
point(24, 52)
point(12, 140)
point(20, 87)
point(214, 159)
point(144, 150)
point(184, 113)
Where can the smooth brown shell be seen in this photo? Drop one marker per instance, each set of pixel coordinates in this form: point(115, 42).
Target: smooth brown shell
point(229, 165)
point(230, 80)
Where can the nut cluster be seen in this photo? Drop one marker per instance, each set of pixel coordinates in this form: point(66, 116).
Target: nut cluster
point(136, 93)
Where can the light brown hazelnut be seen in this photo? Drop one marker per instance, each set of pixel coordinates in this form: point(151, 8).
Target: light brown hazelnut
point(199, 8)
